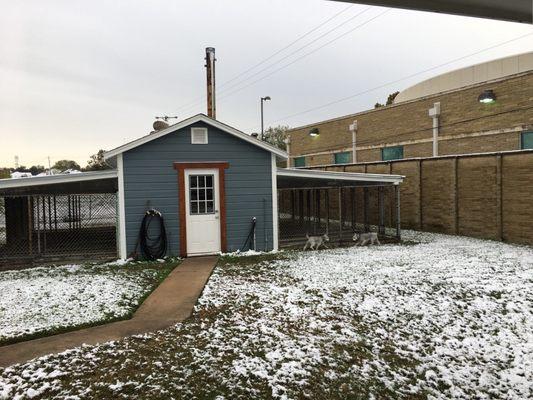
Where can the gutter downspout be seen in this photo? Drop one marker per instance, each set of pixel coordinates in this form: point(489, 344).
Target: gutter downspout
point(434, 113)
point(353, 129)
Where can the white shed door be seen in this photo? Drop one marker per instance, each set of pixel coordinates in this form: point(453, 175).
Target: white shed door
point(202, 207)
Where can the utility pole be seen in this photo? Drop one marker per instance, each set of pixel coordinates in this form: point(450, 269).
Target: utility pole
point(16, 162)
point(49, 167)
point(263, 99)
point(210, 69)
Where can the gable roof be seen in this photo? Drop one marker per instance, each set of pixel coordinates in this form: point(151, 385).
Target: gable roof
point(189, 121)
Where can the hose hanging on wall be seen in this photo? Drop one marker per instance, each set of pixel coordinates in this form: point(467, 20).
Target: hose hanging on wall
point(251, 237)
point(153, 248)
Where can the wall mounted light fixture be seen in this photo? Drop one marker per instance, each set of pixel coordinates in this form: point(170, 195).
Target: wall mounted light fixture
point(487, 96)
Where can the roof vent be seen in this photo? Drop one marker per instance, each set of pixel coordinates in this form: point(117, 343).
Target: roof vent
point(199, 136)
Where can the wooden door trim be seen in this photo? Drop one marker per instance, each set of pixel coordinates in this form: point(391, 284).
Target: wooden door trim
point(181, 167)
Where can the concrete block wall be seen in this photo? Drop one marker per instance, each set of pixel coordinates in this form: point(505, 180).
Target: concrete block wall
point(487, 196)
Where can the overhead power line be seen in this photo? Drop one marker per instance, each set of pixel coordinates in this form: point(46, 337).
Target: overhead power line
point(294, 52)
point(288, 46)
point(305, 55)
point(303, 47)
point(275, 53)
point(398, 80)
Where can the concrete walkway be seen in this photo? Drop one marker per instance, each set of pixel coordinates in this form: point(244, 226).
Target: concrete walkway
point(171, 302)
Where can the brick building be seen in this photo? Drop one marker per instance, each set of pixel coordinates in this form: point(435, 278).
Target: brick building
point(441, 116)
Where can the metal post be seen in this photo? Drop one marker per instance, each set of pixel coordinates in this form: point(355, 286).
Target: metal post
point(340, 215)
point(30, 225)
point(308, 223)
point(327, 211)
point(365, 209)
point(263, 99)
point(55, 212)
point(352, 196)
point(293, 205)
point(301, 205)
point(381, 227)
point(69, 212)
point(50, 213)
point(38, 227)
point(262, 122)
point(398, 224)
point(317, 212)
point(44, 224)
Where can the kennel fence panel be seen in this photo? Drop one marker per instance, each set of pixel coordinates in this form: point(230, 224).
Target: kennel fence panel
point(339, 212)
point(40, 226)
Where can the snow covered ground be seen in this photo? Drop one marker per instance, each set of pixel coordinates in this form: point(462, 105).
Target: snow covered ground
point(445, 317)
point(49, 298)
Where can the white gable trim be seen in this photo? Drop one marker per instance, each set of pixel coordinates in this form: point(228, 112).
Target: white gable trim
point(190, 121)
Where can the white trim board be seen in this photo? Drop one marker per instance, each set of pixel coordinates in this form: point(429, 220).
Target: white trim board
point(341, 176)
point(189, 121)
point(54, 179)
point(122, 247)
point(275, 229)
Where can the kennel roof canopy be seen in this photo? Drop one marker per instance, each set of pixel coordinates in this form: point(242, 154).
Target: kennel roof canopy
point(83, 182)
point(292, 178)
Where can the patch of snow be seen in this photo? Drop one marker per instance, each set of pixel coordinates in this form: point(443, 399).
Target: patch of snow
point(444, 318)
point(38, 299)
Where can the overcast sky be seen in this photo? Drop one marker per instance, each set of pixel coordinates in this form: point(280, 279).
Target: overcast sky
point(77, 76)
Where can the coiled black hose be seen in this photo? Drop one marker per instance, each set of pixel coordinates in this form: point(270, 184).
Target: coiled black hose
point(153, 248)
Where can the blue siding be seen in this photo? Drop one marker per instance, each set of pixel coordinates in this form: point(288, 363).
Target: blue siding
point(150, 179)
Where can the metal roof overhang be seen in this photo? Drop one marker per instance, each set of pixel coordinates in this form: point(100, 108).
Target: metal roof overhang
point(504, 10)
point(290, 178)
point(84, 182)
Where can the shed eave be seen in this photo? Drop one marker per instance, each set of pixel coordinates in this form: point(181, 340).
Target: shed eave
point(339, 176)
point(183, 124)
point(11, 183)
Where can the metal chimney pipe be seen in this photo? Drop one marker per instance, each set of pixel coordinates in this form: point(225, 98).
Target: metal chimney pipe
point(210, 68)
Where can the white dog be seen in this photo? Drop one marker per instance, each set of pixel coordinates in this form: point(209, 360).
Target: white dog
point(314, 242)
point(363, 238)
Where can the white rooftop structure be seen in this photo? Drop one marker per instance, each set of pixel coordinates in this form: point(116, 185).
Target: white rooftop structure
point(468, 76)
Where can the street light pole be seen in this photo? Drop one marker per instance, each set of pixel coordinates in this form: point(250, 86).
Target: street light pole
point(263, 99)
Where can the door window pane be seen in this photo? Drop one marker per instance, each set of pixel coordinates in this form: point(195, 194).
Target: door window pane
point(201, 194)
point(201, 207)
point(194, 194)
point(194, 207)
